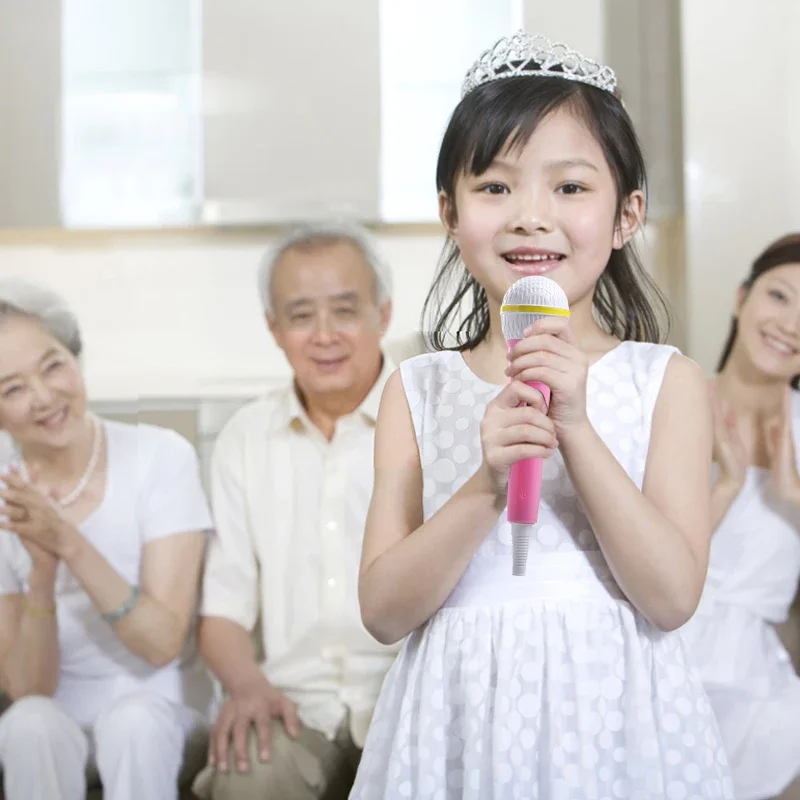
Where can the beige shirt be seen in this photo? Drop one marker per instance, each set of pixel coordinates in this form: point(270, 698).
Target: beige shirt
point(290, 509)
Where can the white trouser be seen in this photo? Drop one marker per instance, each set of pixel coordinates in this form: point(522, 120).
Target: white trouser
point(136, 747)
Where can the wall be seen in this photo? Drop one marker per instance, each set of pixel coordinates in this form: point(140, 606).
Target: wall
point(742, 150)
point(30, 113)
point(178, 316)
point(279, 91)
point(579, 23)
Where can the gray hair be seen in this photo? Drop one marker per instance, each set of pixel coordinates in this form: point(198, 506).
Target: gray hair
point(19, 297)
point(310, 234)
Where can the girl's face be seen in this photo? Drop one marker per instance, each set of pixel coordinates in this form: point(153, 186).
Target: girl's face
point(548, 208)
point(769, 323)
point(42, 393)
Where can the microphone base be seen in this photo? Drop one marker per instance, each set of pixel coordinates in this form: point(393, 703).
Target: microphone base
point(520, 543)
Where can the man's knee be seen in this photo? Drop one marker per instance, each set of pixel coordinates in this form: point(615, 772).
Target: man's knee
point(289, 772)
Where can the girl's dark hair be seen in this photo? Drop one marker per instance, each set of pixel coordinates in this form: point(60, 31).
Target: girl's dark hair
point(785, 250)
point(503, 114)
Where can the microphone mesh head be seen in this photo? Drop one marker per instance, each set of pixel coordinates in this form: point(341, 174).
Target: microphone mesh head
point(528, 299)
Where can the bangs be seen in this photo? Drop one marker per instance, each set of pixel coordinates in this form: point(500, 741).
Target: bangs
point(498, 118)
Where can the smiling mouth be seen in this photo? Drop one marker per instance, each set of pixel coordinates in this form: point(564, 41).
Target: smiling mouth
point(779, 346)
point(532, 262)
point(330, 363)
point(55, 420)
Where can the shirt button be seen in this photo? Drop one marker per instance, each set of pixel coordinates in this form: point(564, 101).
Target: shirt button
point(331, 582)
point(331, 526)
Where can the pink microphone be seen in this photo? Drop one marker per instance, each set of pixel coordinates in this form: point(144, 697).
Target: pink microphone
point(528, 299)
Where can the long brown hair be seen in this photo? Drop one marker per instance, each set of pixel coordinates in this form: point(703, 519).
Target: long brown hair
point(785, 250)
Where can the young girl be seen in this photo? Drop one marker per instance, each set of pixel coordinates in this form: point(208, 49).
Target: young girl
point(565, 683)
point(755, 555)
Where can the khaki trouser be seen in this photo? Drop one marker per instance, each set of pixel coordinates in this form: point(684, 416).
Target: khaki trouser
point(307, 768)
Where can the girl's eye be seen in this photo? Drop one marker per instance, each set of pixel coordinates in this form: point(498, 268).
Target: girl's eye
point(571, 188)
point(494, 188)
point(777, 294)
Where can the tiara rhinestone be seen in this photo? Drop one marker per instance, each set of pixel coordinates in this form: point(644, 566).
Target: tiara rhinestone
point(523, 54)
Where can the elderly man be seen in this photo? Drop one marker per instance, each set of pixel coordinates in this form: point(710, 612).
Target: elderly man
point(291, 485)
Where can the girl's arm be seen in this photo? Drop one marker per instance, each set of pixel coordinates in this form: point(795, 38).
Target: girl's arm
point(656, 541)
point(408, 568)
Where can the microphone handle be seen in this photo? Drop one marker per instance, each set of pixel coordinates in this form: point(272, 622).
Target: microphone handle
point(524, 491)
point(525, 480)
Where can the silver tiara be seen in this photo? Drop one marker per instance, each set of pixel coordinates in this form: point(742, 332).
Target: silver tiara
point(523, 54)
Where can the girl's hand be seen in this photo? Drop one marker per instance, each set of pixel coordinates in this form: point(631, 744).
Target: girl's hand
point(515, 426)
point(35, 517)
point(783, 460)
point(729, 450)
point(548, 354)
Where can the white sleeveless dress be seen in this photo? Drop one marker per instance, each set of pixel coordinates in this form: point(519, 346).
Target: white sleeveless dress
point(753, 576)
point(547, 686)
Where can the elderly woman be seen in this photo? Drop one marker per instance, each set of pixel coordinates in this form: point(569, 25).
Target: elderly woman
point(101, 542)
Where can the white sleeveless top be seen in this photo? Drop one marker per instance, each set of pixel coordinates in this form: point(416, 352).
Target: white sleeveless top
point(753, 576)
point(549, 685)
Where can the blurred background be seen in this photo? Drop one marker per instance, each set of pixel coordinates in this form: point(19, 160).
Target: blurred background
point(150, 150)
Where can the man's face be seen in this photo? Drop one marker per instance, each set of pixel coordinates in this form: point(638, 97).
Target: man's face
point(325, 317)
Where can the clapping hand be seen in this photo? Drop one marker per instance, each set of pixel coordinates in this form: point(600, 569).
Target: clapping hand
point(729, 450)
point(782, 456)
point(34, 516)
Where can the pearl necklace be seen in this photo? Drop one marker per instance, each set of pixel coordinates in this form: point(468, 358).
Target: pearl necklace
point(88, 472)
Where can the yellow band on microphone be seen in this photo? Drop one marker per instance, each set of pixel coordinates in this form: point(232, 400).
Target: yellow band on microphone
point(556, 312)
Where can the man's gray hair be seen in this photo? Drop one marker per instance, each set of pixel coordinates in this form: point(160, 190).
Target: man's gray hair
point(19, 297)
point(312, 234)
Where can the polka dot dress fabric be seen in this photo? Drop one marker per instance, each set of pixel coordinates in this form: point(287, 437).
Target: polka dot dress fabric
point(548, 686)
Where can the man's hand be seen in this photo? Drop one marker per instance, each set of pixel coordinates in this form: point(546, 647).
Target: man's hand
point(255, 705)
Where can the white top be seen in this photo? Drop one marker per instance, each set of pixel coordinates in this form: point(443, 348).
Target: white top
point(753, 577)
point(290, 509)
point(153, 490)
point(549, 685)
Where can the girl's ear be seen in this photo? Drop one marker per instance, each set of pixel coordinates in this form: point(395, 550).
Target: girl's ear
point(631, 219)
point(447, 213)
